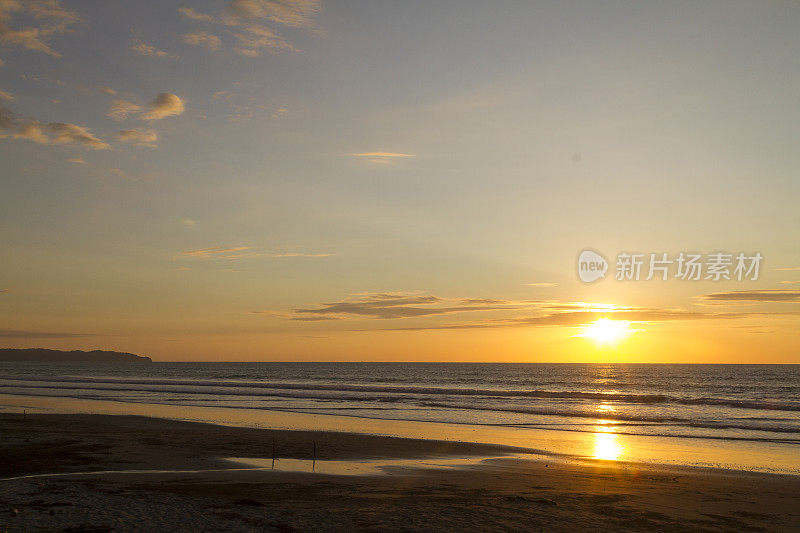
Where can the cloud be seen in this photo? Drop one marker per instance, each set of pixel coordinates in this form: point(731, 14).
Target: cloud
point(256, 37)
point(148, 50)
point(542, 284)
point(398, 305)
point(535, 313)
point(407, 305)
point(6, 96)
point(122, 109)
point(788, 268)
point(228, 252)
point(17, 334)
point(76, 86)
point(139, 137)
point(66, 133)
point(30, 24)
point(32, 131)
point(242, 252)
point(164, 105)
point(203, 39)
point(295, 13)
point(383, 158)
point(118, 173)
point(297, 254)
point(49, 133)
point(190, 13)
point(383, 155)
point(582, 318)
point(772, 295)
point(77, 160)
point(244, 20)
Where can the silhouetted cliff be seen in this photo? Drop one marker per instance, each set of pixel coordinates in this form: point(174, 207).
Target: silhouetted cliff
point(42, 354)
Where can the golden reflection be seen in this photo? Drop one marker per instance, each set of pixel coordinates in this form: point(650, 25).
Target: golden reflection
point(605, 408)
point(606, 444)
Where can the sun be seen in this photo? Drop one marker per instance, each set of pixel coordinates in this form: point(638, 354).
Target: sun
point(607, 331)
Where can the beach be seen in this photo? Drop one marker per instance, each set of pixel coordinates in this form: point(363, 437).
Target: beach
point(199, 489)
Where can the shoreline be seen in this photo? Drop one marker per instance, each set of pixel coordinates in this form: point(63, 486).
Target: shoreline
point(506, 491)
point(726, 454)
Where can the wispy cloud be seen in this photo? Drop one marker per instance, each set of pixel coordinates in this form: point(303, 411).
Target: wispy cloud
point(295, 13)
point(31, 24)
point(7, 96)
point(530, 313)
point(772, 295)
point(148, 50)
point(542, 284)
point(389, 155)
point(254, 38)
point(77, 160)
point(164, 105)
point(80, 87)
point(122, 109)
point(382, 157)
point(203, 39)
point(190, 13)
point(297, 254)
point(244, 20)
point(18, 334)
point(216, 251)
point(139, 137)
point(582, 318)
point(399, 305)
point(49, 133)
point(244, 252)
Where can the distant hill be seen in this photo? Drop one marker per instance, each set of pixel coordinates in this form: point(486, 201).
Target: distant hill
point(51, 356)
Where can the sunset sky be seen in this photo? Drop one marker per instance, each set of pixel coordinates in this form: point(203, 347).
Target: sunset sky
point(397, 180)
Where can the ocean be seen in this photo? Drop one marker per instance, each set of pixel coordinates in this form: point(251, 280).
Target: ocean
point(727, 402)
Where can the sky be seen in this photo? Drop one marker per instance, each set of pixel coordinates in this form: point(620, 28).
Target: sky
point(307, 180)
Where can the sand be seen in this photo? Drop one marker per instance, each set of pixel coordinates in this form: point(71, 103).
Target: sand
point(510, 493)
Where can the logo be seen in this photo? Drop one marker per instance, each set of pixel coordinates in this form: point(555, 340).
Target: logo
point(591, 266)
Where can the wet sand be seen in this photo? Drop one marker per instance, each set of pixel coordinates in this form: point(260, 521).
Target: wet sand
point(500, 494)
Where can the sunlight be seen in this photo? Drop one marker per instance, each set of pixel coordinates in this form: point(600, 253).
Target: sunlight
point(605, 407)
point(606, 331)
point(606, 446)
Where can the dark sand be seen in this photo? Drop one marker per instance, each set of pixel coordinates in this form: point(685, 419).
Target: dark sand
point(501, 495)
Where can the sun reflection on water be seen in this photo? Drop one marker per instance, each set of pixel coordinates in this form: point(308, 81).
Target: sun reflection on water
point(606, 443)
point(605, 407)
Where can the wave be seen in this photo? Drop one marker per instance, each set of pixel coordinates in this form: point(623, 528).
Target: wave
point(635, 420)
point(394, 392)
point(622, 428)
point(261, 388)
